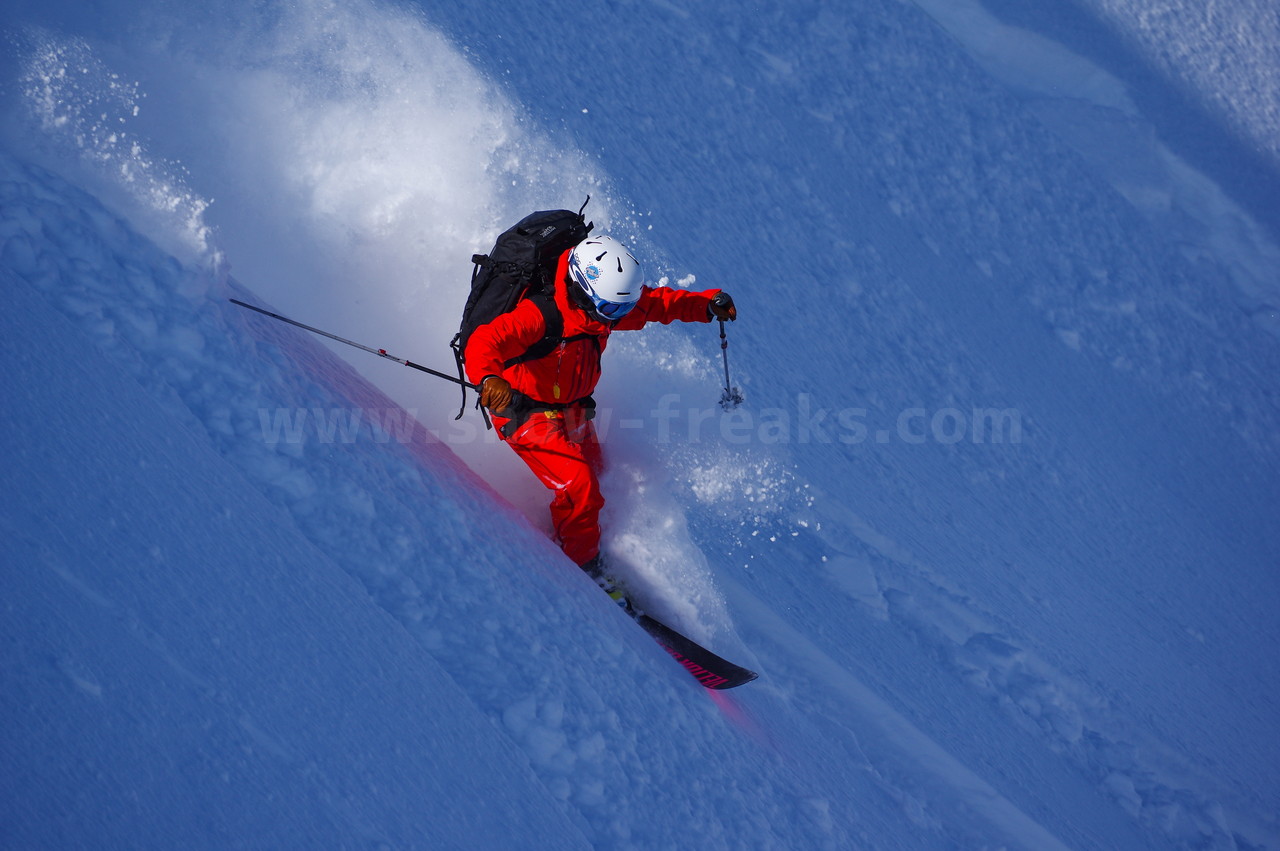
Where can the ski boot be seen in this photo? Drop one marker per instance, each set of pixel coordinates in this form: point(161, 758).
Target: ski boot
point(616, 591)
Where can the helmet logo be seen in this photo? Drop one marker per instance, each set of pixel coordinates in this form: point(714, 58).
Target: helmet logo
point(592, 272)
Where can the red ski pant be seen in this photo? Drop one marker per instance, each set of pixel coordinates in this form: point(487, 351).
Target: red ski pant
point(561, 449)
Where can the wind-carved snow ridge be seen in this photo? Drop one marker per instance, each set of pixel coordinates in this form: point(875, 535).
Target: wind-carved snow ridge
point(1094, 112)
point(1224, 53)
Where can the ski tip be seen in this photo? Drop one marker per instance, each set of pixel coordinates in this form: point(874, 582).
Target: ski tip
point(724, 683)
point(733, 683)
point(707, 668)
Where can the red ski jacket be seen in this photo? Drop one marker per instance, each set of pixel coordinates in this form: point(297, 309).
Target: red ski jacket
point(571, 371)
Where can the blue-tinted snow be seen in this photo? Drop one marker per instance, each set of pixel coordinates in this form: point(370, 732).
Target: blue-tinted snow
point(252, 602)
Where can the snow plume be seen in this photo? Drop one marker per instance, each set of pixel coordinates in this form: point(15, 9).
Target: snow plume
point(685, 482)
point(85, 106)
point(359, 162)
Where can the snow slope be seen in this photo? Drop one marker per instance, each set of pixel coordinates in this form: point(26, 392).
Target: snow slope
point(185, 668)
point(996, 523)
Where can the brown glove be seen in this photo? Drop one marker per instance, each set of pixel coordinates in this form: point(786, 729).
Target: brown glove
point(722, 307)
point(496, 393)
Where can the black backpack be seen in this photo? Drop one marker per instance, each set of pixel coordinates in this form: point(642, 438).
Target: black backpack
point(521, 265)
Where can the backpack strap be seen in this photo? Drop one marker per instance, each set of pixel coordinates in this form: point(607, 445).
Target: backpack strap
point(553, 335)
point(480, 261)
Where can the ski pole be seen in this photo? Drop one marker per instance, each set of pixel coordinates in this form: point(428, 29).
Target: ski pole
point(382, 353)
point(732, 396)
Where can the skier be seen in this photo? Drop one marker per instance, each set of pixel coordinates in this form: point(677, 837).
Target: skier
point(542, 408)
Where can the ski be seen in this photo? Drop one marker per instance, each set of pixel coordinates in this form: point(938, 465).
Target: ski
point(706, 667)
point(712, 671)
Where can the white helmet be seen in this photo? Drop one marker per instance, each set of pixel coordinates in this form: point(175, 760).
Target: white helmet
point(608, 274)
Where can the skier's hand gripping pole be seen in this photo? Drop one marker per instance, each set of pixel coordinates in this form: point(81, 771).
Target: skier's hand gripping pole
point(723, 310)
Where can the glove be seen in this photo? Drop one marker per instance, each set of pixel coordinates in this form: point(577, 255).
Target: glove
point(496, 393)
point(722, 307)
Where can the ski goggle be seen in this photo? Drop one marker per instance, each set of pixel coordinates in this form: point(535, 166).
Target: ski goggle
point(611, 310)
